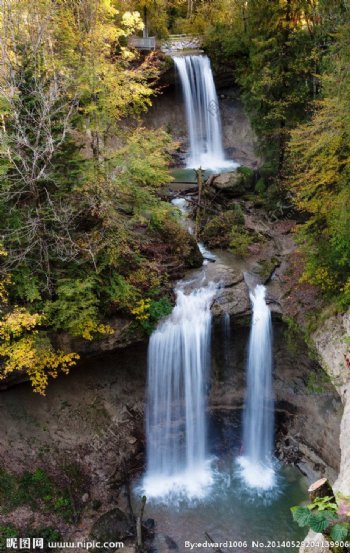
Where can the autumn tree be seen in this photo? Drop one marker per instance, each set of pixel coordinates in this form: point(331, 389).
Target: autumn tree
point(78, 187)
point(319, 172)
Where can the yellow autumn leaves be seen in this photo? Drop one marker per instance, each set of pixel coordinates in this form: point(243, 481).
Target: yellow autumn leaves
point(26, 350)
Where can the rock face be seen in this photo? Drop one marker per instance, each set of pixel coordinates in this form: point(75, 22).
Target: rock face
point(92, 418)
point(331, 344)
point(330, 341)
point(307, 415)
point(168, 111)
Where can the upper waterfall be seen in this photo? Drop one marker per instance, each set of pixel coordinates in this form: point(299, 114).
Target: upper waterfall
point(202, 113)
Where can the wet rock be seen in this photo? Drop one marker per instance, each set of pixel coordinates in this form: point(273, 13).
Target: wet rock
point(114, 525)
point(234, 301)
point(233, 183)
point(150, 524)
point(164, 544)
point(224, 275)
point(310, 542)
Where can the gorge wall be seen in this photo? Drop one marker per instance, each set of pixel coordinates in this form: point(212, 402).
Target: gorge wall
point(94, 419)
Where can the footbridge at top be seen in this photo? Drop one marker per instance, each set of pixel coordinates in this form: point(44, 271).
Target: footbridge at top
point(169, 45)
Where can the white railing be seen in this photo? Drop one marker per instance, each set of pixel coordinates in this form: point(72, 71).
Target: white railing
point(181, 42)
point(171, 44)
point(143, 43)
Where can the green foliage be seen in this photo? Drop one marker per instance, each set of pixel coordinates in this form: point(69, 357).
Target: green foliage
point(80, 208)
point(7, 532)
point(324, 515)
point(35, 489)
point(301, 515)
point(340, 532)
point(227, 230)
point(49, 534)
point(260, 186)
point(318, 383)
point(248, 176)
point(217, 232)
point(240, 240)
point(76, 308)
point(324, 503)
point(319, 172)
point(157, 311)
point(318, 521)
point(272, 50)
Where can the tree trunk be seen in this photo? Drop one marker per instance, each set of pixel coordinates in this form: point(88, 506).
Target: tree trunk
point(320, 488)
point(139, 524)
point(145, 21)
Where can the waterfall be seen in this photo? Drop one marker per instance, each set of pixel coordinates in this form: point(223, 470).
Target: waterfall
point(226, 327)
point(178, 360)
point(258, 423)
point(202, 113)
point(226, 331)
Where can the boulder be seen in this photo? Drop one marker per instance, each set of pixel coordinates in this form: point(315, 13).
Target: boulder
point(164, 544)
point(234, 183)
point(234, 301)
point(112, 526)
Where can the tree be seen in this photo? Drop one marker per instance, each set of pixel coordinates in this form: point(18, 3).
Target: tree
point(319, 172)
point(79, 207)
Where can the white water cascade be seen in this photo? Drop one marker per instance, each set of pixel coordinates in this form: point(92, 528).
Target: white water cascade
point(226, 331)
point(258, 423)
point(178, 360)
point(202, 113)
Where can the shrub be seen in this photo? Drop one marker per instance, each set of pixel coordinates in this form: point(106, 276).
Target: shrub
point(326, 515)
point(217, 232)
point(240, 240)
point(35, 489)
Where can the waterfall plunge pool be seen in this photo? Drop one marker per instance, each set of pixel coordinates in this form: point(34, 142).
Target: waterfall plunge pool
point(232, 511)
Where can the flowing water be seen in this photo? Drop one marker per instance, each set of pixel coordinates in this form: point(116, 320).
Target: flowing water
point(229, 512)
point(193, 490)
point(178, 358)
point(226, 335)
point(202, 113)
point(258, 423)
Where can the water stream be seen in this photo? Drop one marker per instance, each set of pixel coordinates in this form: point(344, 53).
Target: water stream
point(190, 489)
point(178, 358)
point(264, 521)
point(258, 423)
point(202, 113)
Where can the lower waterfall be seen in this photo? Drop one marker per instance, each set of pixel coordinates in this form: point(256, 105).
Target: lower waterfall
point(178, 360)
point(258, 422)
